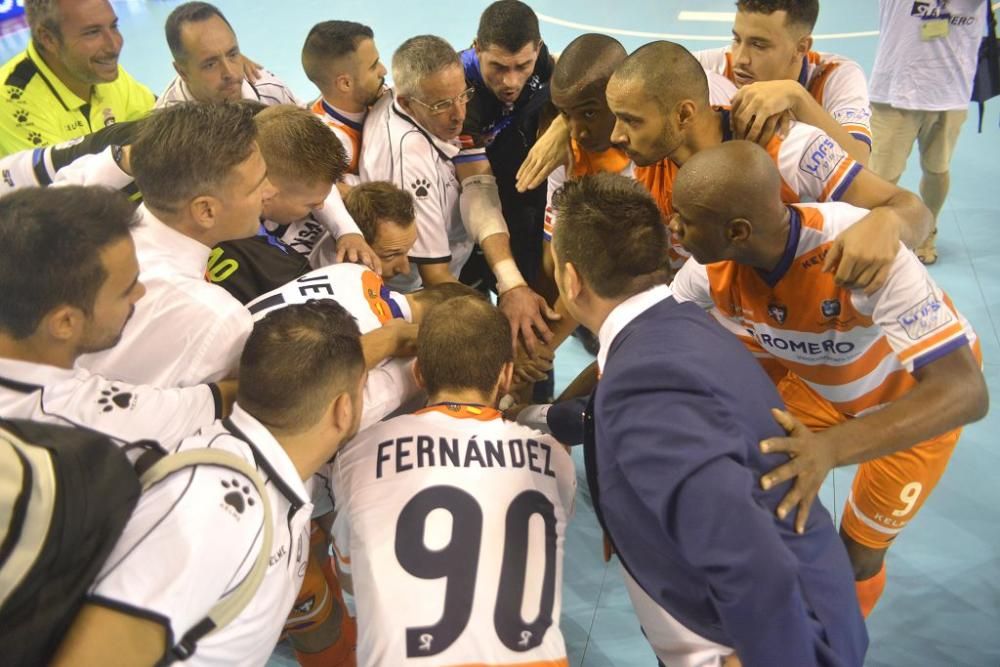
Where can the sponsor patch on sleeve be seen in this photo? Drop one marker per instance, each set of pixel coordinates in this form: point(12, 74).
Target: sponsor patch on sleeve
point(927, 316)
point(821, 158)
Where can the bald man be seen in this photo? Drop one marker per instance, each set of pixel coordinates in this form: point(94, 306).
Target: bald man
point(659, 96)
point(885, 380)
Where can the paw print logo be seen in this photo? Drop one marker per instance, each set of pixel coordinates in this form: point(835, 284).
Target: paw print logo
point(112, 398)
point(239, 497)
point(21, 116)
point(421, 188)
point(35, 138)
point(14, 94)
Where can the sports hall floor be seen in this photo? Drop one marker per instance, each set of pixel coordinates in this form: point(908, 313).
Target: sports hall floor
point(942, 602)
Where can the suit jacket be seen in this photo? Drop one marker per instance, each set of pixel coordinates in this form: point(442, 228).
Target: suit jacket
point(671, 445)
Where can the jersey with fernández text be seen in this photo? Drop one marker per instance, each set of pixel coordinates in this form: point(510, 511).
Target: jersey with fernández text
point(856, 351)
point(454, 522)
point(838, 84)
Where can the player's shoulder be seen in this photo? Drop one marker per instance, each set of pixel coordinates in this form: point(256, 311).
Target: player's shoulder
point(828, 218)
point(835, 60)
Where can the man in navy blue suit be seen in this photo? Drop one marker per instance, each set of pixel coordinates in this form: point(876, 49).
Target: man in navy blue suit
point(671, 444)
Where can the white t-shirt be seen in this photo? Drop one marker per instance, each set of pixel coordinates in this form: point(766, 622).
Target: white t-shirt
point(362, 293)
point(268, 89)
point(185, 330)
point(398, 150)
point(933, 74)
point(125, 412)
point(454, 521)
point(194, 536)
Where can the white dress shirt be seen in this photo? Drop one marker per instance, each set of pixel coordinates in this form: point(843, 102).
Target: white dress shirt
point(622, 316)
point(185, 330)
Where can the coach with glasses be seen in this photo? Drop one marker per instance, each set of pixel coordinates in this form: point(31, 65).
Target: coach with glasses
point(411, 140)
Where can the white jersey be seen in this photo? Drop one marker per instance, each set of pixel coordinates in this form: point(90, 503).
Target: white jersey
point(398, 150)
point(267, 89)
point(454, 521)
point(915, 71)
point(194, 536)
point(836, 83)
point(363, 294)
point(125, 412)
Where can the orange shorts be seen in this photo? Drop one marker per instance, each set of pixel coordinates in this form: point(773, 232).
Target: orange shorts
point(887, 492)
point(315, 601)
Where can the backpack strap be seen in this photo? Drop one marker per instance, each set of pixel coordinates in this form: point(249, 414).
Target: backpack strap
point(227, 609)
point(28, 479)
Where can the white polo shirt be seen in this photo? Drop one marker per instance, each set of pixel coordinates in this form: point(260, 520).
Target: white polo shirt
point(185, 330)
point(194, 536)
point(914, 71)
point(362, 293)
point(398, 150)
point(268, 89)
point(125, 412)
point(454, 522)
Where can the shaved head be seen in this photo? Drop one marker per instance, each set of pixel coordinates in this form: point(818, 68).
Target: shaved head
point(589, 60)
point(578, 88)
point(728, 199)
point(667, 72)
point(732, 180)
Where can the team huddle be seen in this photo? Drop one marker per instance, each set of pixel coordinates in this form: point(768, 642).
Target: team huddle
point(360, 300)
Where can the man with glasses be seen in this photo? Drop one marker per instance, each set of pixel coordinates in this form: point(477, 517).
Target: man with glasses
point(411, 138)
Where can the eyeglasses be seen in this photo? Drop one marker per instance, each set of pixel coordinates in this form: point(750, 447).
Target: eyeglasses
point(445, 105)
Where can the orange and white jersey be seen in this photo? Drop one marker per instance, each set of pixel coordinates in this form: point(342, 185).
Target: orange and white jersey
point(856, 351)
point(348, 127)
point(454, 523)
point(615, 160)
point(355, 287)
point(612, 161)
point(837, 83)
point(812, 165)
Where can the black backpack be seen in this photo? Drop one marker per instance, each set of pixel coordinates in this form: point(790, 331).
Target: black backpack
point(986, 84)
point(65, 497)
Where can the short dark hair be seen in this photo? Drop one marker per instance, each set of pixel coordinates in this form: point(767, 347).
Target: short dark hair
point(50, 250)
point(669, 74)
point(611, 230)
point(297, 146)
point(189, 12)
point(463, 343)
point(509, 24)
point(296, 360)
point(379, 200)
point(189, 149)
point(329, 41)
point(800, 12)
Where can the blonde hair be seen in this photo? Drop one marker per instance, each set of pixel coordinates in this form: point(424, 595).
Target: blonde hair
point(297, 146)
